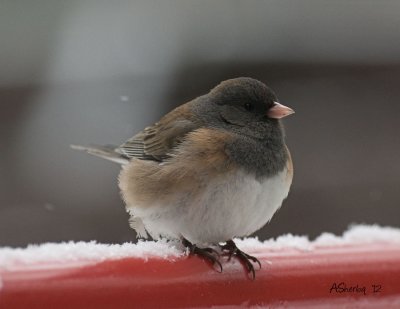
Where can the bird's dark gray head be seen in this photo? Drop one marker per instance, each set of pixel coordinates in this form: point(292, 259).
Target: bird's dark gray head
point(248, 106)
point(244, 95)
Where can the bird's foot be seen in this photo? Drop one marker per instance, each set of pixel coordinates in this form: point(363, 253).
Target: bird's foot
point(244, 258)
point(207, 254)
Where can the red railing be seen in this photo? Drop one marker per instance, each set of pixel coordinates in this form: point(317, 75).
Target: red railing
point(356, 276)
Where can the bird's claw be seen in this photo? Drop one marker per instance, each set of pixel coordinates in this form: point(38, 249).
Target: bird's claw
point(244, 258)
point(205, 253)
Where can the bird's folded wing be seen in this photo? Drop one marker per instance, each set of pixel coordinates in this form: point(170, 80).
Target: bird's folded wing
point(157, 141)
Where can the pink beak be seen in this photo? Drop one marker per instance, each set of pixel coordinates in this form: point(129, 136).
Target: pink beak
point(279, 111)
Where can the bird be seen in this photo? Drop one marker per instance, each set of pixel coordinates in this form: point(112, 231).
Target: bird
point(211, 170)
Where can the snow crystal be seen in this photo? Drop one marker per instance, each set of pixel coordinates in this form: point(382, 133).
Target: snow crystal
point(124, 98)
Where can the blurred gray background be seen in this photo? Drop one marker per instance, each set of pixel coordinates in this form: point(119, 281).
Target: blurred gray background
point(99, 71)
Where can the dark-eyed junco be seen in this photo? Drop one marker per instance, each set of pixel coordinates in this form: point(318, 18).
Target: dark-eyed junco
point(212, 169)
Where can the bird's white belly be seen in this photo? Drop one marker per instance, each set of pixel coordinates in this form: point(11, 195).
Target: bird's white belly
point(234, 205)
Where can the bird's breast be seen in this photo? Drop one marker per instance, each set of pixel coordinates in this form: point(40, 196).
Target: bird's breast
point(233, 205)
point(238, 205)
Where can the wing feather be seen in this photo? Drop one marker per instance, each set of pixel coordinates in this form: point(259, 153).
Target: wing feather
point(157, 141)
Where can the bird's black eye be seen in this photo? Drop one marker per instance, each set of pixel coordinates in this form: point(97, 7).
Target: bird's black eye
point(248, 106)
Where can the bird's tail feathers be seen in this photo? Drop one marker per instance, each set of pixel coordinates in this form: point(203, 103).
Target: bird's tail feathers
point(106, 152)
